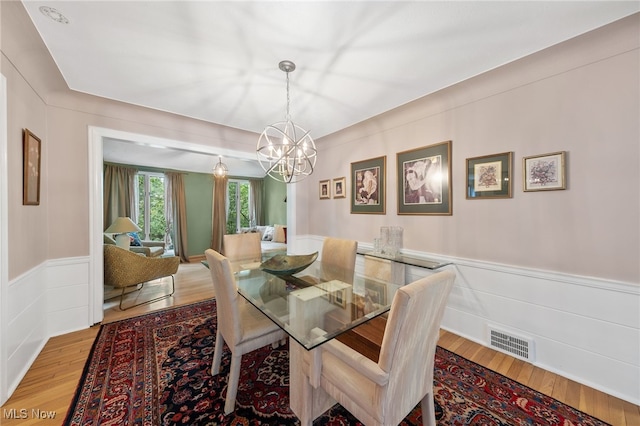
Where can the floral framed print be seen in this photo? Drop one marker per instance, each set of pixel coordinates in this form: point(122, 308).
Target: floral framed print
point(368, 186)
point(489, 176)
point(424, 180)
point(544, 172)
point(31, 146)
point(325, 189)
point(339, 185)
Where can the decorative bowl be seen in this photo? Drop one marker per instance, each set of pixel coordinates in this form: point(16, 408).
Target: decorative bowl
point(285, 264)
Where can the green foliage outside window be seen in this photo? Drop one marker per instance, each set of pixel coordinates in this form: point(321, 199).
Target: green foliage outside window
point(157, 222)
point(238, 199)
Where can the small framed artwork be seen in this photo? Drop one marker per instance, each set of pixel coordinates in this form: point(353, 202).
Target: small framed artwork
point(489, 176)
point(325, 189)
point(31, 146)
point(339, 298)
point(339, 188)
point(424, 180)
point(368, 186)
point(544, 172)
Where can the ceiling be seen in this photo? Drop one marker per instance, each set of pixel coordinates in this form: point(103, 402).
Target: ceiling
point(218, 60)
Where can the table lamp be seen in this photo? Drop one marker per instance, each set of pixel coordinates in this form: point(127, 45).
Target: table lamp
point(121, 226)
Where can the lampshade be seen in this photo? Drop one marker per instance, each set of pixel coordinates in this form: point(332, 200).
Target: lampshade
point(285, 150)
point(121, 226)
point(220, 170)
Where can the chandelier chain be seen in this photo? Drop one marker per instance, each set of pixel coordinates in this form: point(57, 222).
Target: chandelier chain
point(288, 116)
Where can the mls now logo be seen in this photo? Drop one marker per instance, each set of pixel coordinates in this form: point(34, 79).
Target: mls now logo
point(23, 413)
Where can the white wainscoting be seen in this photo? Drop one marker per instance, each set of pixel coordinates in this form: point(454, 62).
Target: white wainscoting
point(47, 301)
point(584, 329)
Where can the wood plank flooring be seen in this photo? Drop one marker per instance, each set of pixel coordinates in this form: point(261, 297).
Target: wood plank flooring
point(49, 386)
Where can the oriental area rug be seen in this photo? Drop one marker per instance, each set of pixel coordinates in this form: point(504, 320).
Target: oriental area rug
point(155, 369)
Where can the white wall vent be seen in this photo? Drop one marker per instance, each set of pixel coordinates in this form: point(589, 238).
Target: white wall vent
point(507, 342)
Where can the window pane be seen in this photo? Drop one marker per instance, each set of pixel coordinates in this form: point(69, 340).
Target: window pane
point(232, 216)
point(244, 205)
point(157, 222)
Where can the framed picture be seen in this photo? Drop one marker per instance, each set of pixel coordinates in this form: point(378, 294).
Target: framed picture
point(489, 176)
point(424, 180)
point(544, 172)
point(339, 298)
point(368, 186)
point(339, 188)
point(325, 189)
point(31, 146)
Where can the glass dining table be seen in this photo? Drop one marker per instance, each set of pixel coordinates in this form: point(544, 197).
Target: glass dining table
point(312, 306)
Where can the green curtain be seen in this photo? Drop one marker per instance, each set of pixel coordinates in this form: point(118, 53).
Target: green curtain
point(119, 189)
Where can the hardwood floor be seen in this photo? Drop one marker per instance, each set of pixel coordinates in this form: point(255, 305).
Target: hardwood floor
point(45, 393)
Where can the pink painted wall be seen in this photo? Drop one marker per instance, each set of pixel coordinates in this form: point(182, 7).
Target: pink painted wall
point(581, 96)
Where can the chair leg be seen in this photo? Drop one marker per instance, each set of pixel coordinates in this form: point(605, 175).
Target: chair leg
point(428, 410)
point(232, 384)
point(173, 289)
point(217, 354)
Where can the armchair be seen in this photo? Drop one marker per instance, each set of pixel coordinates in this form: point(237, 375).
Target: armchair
point(385, 392)
point(124, 268)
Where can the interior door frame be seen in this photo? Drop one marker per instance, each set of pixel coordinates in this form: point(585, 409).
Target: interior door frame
point(96, 137)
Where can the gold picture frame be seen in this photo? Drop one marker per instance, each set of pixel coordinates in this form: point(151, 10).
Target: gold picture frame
point(325, 189)
point(339, 187)
point(31, 148)
point(544, 172)
point(489, 176)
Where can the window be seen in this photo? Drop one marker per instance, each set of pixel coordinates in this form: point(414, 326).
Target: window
point(150, 196)
point(238, 215)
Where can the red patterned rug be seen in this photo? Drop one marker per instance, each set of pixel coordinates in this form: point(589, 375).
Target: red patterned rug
point(156, 370)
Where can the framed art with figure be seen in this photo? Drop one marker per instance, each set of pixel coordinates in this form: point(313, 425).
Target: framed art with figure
point(339, 188)
point(31, 146)
point(489, 176)
point(368, 186)
point(424, 180)
point(325, 189)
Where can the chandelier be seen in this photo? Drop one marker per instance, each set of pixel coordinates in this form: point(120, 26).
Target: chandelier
point(285, 150)
point(220, 170)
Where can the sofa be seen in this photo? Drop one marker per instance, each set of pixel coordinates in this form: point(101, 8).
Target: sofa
point(273, 239)
point(148, 248)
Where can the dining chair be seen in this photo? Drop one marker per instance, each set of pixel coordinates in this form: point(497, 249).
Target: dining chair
point(384, 393)
point(338, 259)
point(242, 246)
point(240, 324)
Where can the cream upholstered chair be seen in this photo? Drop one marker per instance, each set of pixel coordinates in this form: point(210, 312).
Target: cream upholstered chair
point(242, 246)
point(338, 259)
point(240, 324)
point(384, 393)
point(124, 268)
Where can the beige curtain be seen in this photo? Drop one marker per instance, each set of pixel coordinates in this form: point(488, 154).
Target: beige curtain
point(256, 212)
point(219, 209)
point(176, 213)
point(119, 194)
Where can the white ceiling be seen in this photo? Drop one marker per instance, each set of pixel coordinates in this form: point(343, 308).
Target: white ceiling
point(218, 60)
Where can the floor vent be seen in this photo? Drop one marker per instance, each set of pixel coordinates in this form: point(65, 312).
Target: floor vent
point(518, 346)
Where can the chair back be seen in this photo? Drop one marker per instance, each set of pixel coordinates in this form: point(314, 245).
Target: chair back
point(226, 294)
point(242, 246)
point(410, 338)
point(338, 259)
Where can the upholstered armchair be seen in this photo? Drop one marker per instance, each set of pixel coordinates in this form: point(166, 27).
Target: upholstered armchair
point(124, 268)
point(384, 393)
point(240, 324)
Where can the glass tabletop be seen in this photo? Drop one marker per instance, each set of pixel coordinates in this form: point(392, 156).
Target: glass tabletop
point(316, 304)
